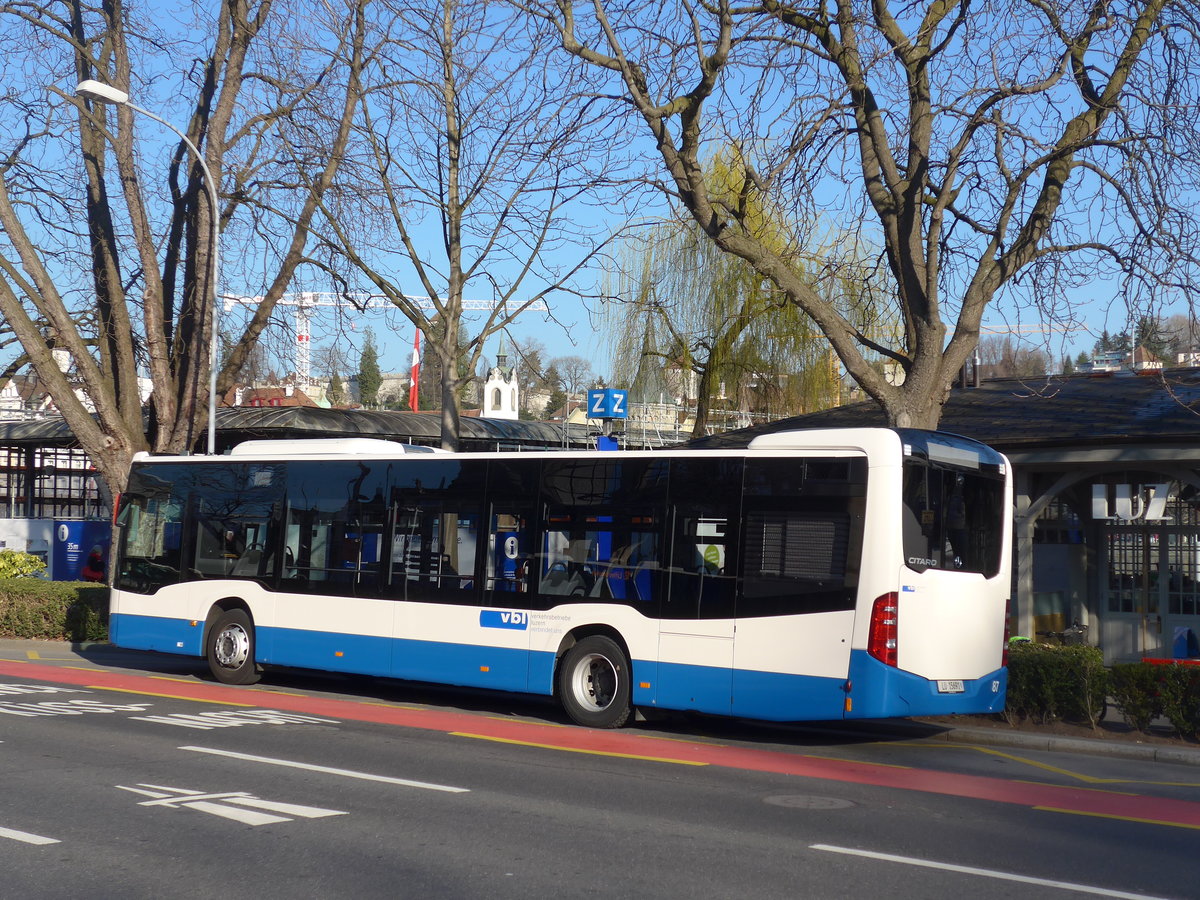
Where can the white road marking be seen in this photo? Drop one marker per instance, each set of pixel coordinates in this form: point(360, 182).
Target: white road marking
point(26, 837)
point(985, 873)
point(228, 804)
point(345, 773)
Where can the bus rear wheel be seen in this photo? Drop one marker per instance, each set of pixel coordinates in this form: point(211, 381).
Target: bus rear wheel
point(230, 649)
point(593, 683)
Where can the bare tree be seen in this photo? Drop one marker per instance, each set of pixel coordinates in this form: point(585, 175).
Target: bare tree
point(529, 357)
point(106, 253)
point(1002, 357)
point(470, 160)
point(576, 373)
point(987, 161)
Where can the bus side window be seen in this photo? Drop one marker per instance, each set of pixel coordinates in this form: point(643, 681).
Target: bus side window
point(569, 558)
point(705, 496)
point(802, 535)
point(508, 567)
point(433, 552)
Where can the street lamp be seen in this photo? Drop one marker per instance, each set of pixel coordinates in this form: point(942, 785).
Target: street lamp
point(103, 93)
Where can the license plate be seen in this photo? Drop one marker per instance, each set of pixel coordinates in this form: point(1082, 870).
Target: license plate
point(950, 687)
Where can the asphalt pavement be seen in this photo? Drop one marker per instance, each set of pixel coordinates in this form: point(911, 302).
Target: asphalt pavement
point(958, 730)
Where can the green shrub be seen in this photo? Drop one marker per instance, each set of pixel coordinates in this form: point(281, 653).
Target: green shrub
point(1179, 689)
point(1135, 689)
point(17, 564)
point(53, 610)
point(1087, 691)
point(1030, 695)
point(1047, 683)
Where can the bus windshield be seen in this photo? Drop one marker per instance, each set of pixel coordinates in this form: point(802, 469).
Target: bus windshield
point(953, 512)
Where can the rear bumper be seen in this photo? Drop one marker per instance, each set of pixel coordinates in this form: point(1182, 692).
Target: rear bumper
point(879, 691)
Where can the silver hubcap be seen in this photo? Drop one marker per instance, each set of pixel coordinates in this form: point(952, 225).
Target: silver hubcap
point(594, 682)
point(232, 647)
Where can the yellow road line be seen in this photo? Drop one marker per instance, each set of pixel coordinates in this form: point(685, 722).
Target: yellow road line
point(100, 687)
point(500, 740)
point(1096, 815)
point(1091, 779)
point(526, 721)
point(855, 762)
point(1093, 790)
point(1079, 776)
point(32, 654)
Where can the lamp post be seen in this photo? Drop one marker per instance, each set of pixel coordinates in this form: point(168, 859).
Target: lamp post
point(103, 93)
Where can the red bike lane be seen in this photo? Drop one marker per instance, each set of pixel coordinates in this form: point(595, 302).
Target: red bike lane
point(628, 743)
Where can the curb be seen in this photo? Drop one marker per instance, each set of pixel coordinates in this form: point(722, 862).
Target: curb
point(911, 730)
point(1187, 756)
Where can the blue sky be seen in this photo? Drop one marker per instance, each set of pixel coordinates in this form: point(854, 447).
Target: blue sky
point(580, 332)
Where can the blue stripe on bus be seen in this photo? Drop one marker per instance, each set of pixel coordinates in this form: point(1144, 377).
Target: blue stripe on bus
point(502, 668)
point(877, 691)
point(699, 688)
point(775, 697)
point(155, 633)
point(881, 691)
point(331, 651)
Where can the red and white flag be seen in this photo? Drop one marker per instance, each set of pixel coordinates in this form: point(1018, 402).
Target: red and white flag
point(416, 370)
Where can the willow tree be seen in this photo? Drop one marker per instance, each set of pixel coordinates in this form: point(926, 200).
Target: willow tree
point(689, 318)
point(987, 161)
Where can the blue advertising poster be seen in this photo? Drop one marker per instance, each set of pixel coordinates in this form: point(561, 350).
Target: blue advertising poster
point(81, 551)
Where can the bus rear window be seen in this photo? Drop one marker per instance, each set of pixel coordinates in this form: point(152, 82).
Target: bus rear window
point(953, 519)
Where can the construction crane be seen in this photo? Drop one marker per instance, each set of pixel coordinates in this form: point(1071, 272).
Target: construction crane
point(305, 301)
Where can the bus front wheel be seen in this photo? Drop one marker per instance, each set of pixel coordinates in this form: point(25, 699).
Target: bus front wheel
point(593, 683)
point(230, 649)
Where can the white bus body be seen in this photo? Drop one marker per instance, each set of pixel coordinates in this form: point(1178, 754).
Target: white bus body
point(818, 574)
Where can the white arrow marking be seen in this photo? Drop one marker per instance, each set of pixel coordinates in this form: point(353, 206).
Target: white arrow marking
point(26, 837)
point(345, 773)
point(227, 804)
point(245, 816)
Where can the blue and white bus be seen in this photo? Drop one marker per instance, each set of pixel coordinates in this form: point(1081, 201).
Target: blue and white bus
point(819, 574)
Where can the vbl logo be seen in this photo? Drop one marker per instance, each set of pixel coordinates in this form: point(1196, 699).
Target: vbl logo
point(504, 618)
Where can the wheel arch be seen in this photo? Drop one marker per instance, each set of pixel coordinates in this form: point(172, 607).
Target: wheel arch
point(221, 607)
point(577, 634)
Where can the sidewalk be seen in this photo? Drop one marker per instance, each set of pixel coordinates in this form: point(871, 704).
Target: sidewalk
point(1118, 742)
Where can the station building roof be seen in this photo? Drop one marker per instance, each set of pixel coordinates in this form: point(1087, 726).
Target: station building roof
point(1086, 418)
point(241, 423)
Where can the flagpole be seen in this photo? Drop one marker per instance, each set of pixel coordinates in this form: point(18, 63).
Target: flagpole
point(416, 370)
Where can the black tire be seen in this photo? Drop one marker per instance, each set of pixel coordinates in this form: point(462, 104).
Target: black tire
point(593, 683)
point(230, 649)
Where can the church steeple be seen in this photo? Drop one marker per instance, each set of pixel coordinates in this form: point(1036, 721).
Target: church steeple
point(500, 399)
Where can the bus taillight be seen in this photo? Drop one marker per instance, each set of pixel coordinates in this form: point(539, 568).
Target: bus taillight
point(881, 642)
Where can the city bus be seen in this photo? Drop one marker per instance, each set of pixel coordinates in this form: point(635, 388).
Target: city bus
point(813, 575)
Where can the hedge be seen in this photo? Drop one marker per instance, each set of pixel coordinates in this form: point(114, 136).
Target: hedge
point(53, 610)
point(1070, 683)
point(1047, 683)
point(1143, 692)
